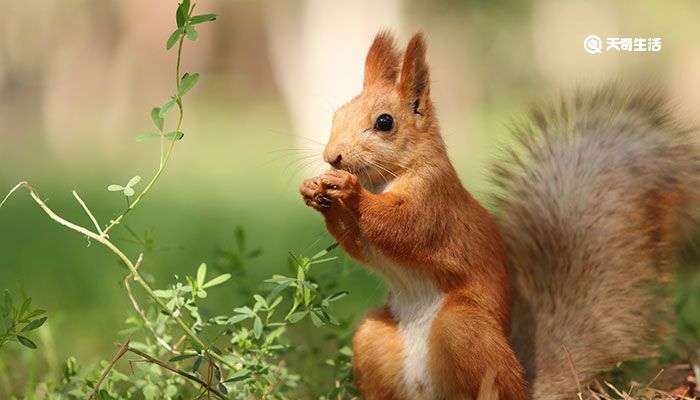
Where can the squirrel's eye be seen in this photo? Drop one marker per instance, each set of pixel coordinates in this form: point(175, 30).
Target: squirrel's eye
point(384, 123)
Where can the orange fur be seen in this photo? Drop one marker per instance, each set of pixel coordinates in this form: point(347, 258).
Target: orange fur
point(382, 60)
point(395, 196)
point(377, 356)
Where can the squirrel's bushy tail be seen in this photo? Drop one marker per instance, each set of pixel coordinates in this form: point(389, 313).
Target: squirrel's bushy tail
point(594, 208)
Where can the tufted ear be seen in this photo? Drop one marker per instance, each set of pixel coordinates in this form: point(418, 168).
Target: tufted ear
point(414, 85)
point(382, 62)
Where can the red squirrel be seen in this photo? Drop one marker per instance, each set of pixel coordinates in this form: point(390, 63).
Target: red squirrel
point(592, 208)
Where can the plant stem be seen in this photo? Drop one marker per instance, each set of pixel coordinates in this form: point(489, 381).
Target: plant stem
point(137, 277)
point(87, 210)
point(102, 237)
point(116, 358)
point(164, 161)
point(177, 371)
point(140, 311)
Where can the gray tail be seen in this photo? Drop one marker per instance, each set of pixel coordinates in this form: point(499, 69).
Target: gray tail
point(597, 198)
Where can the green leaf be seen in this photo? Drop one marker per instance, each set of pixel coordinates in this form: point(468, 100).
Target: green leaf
point(34, 324)
point(237, 318)
point(336, 296)
point(257, 327)
point(197, 363)
point(244, 310)
point(198, 19)
point(279, 279)
point(157, 119)
point(191, 282)
point(170, 392)
point(115, 188)
point(128, 192)
point(182, 357)
point(323, 260)
point(275, 303)
point(183, 10)
point(187, 82)
point(136, 179)
point(180, 16)
point(346, 351)
point(217, 281)
point(172, 135)
point(163, 293)
point(239, 375)
point(297, 316)
point(174, 37)
point(324, 251)
point(316, 320)
point(332, 319)
point(196, 346)
point(26, 342)
point(191, 33)
point(166, 107)
point(150, 391)
point(25, 306)
point(146, 137)
point(35, 313)
point(201, 274)
point(222, 388)
point(185, 6)
point(260, 300)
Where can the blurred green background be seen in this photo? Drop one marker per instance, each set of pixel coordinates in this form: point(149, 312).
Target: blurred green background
point(78, 79)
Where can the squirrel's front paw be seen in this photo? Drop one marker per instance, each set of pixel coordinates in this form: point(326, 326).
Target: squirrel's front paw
point(309, 190)
point(339, 184)
point(320, 192)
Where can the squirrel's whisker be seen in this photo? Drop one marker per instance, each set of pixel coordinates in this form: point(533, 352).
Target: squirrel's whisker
point(297, 136)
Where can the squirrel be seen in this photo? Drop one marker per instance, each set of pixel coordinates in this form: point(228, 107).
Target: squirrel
point(595, 202)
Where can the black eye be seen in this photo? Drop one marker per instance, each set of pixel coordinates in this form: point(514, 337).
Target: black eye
point(384, 123)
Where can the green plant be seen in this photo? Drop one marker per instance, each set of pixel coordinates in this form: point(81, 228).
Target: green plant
point(250, 337)
point(18, 320)
point(182, 350)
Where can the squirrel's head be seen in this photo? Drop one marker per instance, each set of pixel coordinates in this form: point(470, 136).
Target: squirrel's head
point(383, 131)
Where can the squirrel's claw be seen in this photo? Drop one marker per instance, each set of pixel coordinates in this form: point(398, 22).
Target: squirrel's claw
point(314, 195)
point(323, 201)
point(321, 192)
point(308, 190)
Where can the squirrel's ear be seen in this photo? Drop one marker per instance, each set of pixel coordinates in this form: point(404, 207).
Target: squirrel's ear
point(414, 85)
point(382, 62)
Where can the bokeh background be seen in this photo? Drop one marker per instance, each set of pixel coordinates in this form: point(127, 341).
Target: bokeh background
point(79, 77)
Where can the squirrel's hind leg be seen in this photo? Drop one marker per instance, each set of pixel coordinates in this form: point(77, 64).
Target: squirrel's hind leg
point(468, 349)
point(378, 356)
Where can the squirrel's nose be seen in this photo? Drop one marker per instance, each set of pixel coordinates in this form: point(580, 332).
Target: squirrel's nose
point(334, 161)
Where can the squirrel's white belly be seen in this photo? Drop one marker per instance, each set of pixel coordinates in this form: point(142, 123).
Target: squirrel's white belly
point(415, 321)
point(414, 303)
